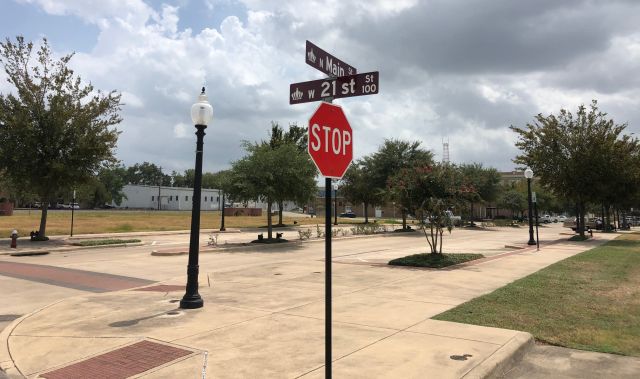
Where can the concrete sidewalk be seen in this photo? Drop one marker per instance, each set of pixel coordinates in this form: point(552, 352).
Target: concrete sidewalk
point(266, 320)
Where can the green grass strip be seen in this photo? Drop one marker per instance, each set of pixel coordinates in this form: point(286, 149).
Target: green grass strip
point(104, 242)
point(590, 301)
point(434, 260)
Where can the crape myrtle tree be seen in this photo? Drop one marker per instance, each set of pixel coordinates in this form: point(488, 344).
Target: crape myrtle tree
point(393, 156)
point(569, 154)
point(55, 131)
point(430, 192)
point(485, 181)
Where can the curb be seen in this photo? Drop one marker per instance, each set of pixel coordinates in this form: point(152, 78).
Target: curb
point(504, 359)
point(66, 248)
point(250, 246)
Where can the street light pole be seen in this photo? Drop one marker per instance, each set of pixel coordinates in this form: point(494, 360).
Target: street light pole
point(201, 115)
point(73, 207)
point(528, 173)
point(222, 228)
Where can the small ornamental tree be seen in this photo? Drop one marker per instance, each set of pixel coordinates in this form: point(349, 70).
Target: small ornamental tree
point(431, 191)
point(55, 132)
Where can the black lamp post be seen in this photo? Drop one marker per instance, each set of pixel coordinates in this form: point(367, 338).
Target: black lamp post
point(528, 173)
point(222, 228)
point(73, 207)
point(201, 115)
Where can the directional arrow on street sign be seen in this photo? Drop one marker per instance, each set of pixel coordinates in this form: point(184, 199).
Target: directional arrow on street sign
point(327, 63)
point(343, 86)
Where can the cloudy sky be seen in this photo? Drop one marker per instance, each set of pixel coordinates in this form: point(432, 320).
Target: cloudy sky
point(456, 70)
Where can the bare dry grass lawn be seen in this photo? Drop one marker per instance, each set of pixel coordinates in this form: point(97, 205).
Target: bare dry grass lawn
point(113, 221)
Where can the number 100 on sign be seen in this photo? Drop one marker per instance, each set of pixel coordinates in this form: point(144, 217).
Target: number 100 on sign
point(343, 86)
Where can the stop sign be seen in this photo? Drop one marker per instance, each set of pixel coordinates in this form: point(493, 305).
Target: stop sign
point(330, 140)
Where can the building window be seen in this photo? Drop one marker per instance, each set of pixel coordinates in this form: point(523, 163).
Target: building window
point(218, 199)
point(170, 198)
point(153, 198)
point(205, 199)
point(186, 198)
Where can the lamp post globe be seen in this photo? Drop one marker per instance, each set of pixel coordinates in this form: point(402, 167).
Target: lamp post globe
point(201, 115)
point(528, 173)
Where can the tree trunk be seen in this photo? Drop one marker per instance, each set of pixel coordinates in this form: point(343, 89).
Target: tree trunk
point(42, 232)
point(608, 219)
point(366, 213)
point(269, 224)
point(471, 218)
point(280, 203)
point(581, 213)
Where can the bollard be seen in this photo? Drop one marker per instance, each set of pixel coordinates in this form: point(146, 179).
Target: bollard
point(14, 239)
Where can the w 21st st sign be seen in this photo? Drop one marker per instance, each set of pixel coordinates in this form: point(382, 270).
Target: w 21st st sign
point(342, 86)
point(330, 140)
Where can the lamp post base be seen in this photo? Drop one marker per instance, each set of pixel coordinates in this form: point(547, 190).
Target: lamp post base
point(531, 242)
point(191, 302)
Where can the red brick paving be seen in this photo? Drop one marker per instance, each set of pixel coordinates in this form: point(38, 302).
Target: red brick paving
point(162, 288)
point(120, 363)
point(70, 278)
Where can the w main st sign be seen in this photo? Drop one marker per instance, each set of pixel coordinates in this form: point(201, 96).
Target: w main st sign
point(330, 140)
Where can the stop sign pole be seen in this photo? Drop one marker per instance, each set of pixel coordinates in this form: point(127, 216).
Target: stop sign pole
point(330, 142)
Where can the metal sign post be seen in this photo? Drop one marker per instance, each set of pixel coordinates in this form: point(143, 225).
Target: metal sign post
point(330, 142)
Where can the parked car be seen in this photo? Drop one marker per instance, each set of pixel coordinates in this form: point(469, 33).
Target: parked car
point(348, 215)
point(545, 219)
point(455, 220)
point(560, 218)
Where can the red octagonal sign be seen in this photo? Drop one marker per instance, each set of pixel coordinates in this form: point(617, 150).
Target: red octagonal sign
point(330, 140)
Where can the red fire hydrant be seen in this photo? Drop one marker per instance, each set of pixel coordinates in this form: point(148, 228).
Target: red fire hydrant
point(14, 239)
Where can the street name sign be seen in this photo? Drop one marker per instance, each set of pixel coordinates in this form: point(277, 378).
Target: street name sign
point(342, 86)
point(330, 140)
point(327, 63)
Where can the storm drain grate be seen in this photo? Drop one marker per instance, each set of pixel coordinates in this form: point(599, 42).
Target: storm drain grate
point(162, 288)
point(120, 363)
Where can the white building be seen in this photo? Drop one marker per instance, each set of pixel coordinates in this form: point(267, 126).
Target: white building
point(168, 198)
point(180, 199)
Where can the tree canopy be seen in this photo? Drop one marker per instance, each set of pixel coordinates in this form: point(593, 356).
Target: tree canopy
point(582, 157)
point(55, 131)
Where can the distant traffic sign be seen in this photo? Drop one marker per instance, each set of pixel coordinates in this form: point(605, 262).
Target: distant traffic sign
point(330, 140)
point(327, 63)
point(343, 86)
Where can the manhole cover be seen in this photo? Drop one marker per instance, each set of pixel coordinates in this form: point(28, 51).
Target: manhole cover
point(120, 363)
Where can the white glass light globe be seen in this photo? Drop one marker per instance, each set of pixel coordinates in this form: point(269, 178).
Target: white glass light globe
point(528, 173)
point(202, 112)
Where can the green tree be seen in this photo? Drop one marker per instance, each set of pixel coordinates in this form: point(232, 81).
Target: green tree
point(295, 136)
point(55, 132)
point(272, 175)
point(148, 174)
point(485, 182)
point(390, 158)
point(513, 200)
point(569, 153)
point(357, 188)
point(113, 180)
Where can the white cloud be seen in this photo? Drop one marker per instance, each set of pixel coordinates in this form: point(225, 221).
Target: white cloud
point(442, 76)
